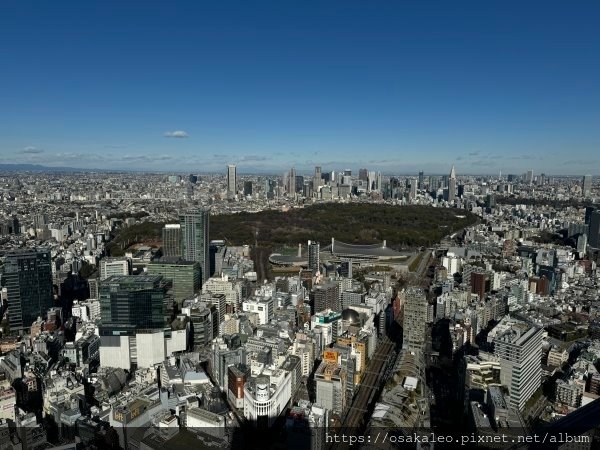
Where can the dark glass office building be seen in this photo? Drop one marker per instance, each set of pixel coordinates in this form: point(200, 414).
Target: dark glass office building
point(594, 232)
point(129, 303)
point(184, 275)
point(28, 280)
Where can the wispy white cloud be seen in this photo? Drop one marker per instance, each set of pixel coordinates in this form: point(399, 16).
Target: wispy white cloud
point(32, 150)
point(176, 134)
point(253, 158)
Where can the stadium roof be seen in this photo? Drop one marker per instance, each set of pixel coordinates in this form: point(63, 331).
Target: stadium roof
point(370, 250)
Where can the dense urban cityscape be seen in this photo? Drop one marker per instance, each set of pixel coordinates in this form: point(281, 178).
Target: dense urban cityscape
point(306, 225)
point(174, 338)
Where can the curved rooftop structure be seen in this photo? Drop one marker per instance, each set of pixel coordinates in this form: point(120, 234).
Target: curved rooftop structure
point(288, 260)
point(351, 316)
point(373, 251)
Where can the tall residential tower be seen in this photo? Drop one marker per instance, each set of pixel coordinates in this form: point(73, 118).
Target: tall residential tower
point(415, 320)
point(519, 349)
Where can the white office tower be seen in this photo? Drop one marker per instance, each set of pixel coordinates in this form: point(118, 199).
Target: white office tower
point(114, 266)
point(452, 263)
point(371, 181)
point(519, 348)
point(231, 180)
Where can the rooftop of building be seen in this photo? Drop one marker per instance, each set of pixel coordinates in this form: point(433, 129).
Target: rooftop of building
point(172, 260)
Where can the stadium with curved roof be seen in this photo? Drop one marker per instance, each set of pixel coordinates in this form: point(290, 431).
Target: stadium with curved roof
point(370, 251)
point(341, 251)
point(288, 260)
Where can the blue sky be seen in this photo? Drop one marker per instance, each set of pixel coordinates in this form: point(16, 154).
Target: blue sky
point(388, 85)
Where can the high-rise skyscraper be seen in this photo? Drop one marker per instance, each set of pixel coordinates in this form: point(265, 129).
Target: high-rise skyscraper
point(231, 180)
point(299, 183)
point(247, 188)
point(313, 255)
point(529, 176)
point(291, 182)
point(326, 296)
point(363, 174)
point(195, 244)
point(519, 349)
point(28, 280)
point(594, 233)
point(412, 193)
point(370, 180)
point(171, 235)
point(588, 214)
point(131, 302)
point(421, 180)
point(184, 275)
point(132, 321)
point(452, 185)
point(318, 178)
point(415, 319)
point(586, 185)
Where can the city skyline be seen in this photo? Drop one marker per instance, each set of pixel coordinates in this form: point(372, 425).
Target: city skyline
point(394, 88)
point(311, 225)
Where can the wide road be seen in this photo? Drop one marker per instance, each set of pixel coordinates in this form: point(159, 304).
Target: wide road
point(423, 264)
point(357, 416)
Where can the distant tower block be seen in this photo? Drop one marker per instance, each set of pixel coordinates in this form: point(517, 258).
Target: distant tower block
point(313, 255)
point(299, 250)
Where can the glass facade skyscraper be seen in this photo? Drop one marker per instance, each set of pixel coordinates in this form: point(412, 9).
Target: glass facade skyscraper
point(195, 244)
point(185, 275)
point(28, 280)
point(594, 232)
point(171, 235)
point(130, 303)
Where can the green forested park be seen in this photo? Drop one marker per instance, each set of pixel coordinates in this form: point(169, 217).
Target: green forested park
point(400, 226)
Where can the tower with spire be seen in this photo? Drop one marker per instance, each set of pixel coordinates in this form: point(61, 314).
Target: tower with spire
point(452, 185)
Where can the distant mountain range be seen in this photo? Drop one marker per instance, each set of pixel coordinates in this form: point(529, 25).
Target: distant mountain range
point(40, 168)
point(48, 169)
